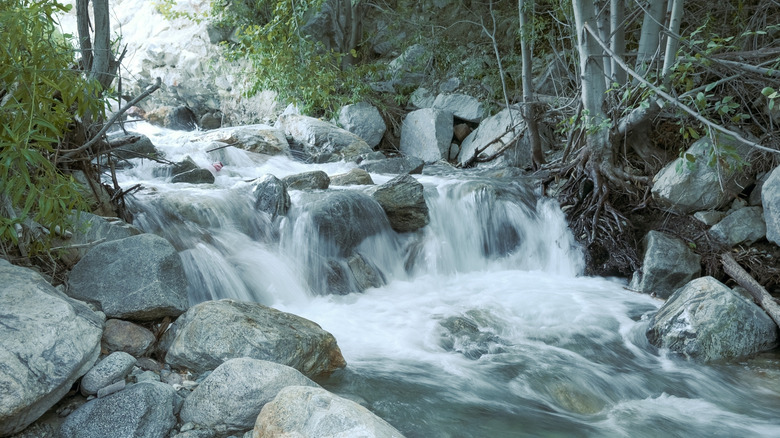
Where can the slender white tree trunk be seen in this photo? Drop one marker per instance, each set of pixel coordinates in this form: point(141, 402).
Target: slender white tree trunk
point(617, 42)
point(529, 105)
point(650, 36)
point(673, 41)
point(96, 55)
point(603, 22)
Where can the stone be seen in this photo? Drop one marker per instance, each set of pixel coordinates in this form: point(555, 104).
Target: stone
point(709, 217)
point(354, 177)
point(142, 410)
point(260, 139)
point(422, 98)
point(89, 228)
point(744, 226)
point(211, 120)
point(313, 180)
point(394, 165)
point(668, 264)
point(410, 68)
point(755, 195)
point(322, 140)
point(403, 201)
point(363, 120)
point(462, 335)
point(689, 184)
point(235, 392)
point(271, 196)
point(461, 131)
point(505, 125)
point(365, 274)
point(113, 368)
point(301, 411)
point(462, 106)
point(127, 337)
point(179, 118)
point(47, 341)
point(138, 278)
point(427, 134)
point(136, 146)
point(213, 332)
point(707, 321)
point(450, 85)
point(194, 176)
point(770, 199)
point(342, 219)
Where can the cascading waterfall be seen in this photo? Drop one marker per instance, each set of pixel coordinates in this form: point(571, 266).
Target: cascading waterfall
point(484, 327)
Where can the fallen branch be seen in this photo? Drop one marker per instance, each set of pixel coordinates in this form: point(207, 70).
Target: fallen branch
point(760, 295)
point(149, 90)
point(674, 101)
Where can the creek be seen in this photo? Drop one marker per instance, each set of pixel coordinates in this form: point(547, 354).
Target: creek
point(485, 328)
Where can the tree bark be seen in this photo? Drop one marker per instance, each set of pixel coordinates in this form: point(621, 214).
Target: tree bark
point(96, 58)
point(760, 295)
point(530, 106)
point(673, 39)
point(650, 36)
point(617, 16)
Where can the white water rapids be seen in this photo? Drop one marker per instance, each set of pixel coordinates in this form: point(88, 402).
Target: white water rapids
point(487, 331)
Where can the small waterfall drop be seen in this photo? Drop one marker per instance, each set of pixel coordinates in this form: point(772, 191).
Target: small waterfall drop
point(481, 325)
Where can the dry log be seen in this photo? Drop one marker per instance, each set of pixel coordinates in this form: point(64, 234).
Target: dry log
point(758, 292)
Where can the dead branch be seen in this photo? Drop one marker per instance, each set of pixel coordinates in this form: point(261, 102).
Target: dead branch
point(760, 295)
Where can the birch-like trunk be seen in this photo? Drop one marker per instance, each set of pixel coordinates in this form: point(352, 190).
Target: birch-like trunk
point(529, 105)
point(96, 55)
point(673, 41)
point(617, 41)
point(650, 36)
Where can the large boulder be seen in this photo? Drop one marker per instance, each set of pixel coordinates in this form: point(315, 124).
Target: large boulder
point(668, 265)
point(394, 165)
point(363, 120)
point(271, 196)
point(403, 201)
point(127, 337)
point(461, 106)
point(47, 341)
point(136, 278)
point(746, 225)
point(322, 140)
point(342, 219)
point(427, 134)
point(213, 332)
point(770, 198)
point(128, 146)
point(194, 176)
point(312, 180)
point(92, 229)
point(261, 139)
point(355, 176)
point(145, 410)
point(707, 321)
point(690, 184)
point(493, 135)
point(302, 411)
point(232, 396)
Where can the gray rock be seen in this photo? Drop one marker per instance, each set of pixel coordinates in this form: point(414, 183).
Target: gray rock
point(410, 68)
point(709, 217)
point(427, 134)
point(128, 337)
point(685, 186)
point(271, 196)
point(194, 176)
point(138, 278)
point(113, 368)
point(745, 225)
point(363, 120)
point(450, 85)
point(342, 219)
point(668, 264)
point(314, 180)
point(505, 125)
point(235, 392)
point(147, 376)
point(354, 177)
point(707, 321)
point(213, 332)
point(47, 341)
point(770, 198)
point(463, 335)
point(143, 410)
point(755, 195)
point(89, 228)
point(112, 388)
point(365, 274)
point(422, 98)
point(461, 106)
point(261, 139)
point(181, 118)
point(394, 165)
point(303, 411)
point(137, 146)
point(211, 120)
point(402, 200)
point(322, 140)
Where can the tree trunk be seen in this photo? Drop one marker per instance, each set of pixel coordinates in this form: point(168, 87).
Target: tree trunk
point(650, 36)
point(529, 101)
point(97, 58)
point(617, 14)
point(591, 70)
point(673, 41)
point(603, 24)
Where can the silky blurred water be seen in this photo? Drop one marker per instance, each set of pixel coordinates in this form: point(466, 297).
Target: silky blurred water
point(486, 327)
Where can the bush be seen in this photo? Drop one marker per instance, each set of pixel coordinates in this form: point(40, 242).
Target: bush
point(42, 97)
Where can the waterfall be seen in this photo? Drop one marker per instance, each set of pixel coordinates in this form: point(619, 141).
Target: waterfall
point(482, 324)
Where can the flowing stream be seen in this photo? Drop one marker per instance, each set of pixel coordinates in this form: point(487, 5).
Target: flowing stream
point(485, 327)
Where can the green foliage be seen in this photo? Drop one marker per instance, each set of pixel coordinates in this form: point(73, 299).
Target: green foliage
point(40, 94)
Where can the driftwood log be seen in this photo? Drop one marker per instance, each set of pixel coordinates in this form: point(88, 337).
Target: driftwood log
point(760, 295)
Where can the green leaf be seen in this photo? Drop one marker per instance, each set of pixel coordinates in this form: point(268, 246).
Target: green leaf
point(767, 91)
